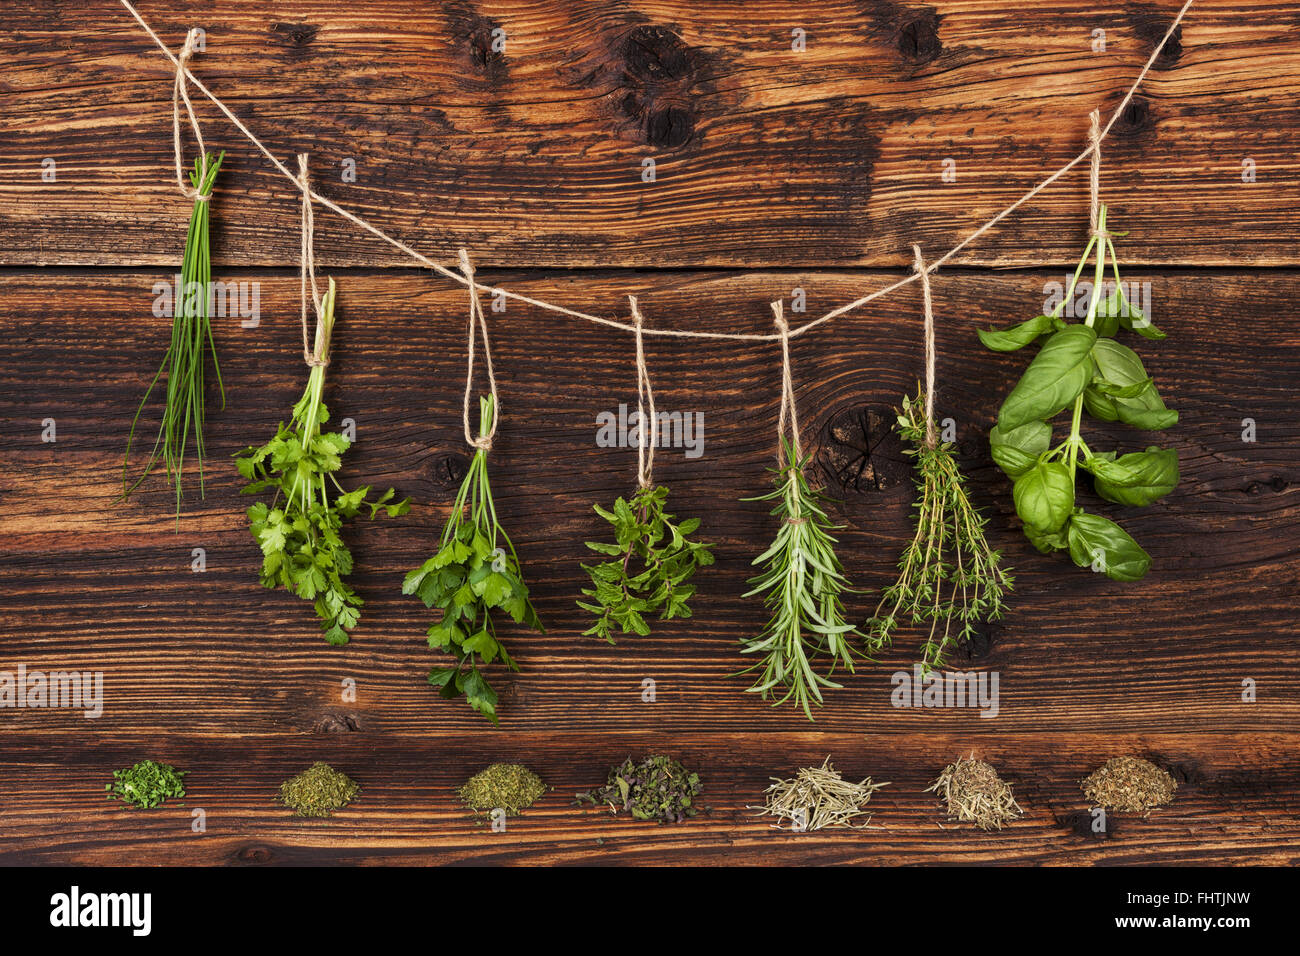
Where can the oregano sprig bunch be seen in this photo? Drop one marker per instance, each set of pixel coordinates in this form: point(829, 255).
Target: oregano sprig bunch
point(299, 532)
point(184, 364)
point(652, 561)
point(801, 583)
point(474, 573)
point(948, 575)
point(1081, 367)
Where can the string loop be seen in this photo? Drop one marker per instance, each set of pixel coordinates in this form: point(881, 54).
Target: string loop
point(180, 92)
point(645, 400)
point(476, 316)
point(918, 267)
point(319, 356)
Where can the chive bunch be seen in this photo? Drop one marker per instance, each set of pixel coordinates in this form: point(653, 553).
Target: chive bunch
point(184, 363)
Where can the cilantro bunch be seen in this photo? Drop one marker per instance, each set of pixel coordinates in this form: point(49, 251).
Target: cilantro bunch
point(1079, 368)
point(474, 572)
point(651, 563)
point(300, 530)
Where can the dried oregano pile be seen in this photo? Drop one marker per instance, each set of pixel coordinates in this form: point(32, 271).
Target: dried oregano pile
point(1129, 784)
point(657, 788)
point(147, 784)
point(510, 787)
point(818, 798)
point(318, 791)
point(972, 792)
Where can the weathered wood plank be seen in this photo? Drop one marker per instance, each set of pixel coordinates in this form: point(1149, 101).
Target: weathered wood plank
point(1233, 805)
point(94, 584)
point(764, 156)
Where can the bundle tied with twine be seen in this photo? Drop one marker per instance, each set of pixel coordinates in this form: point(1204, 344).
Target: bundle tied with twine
point(645, 406)
point(317, 355)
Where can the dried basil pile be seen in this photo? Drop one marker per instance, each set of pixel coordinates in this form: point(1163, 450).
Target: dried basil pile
point(658, 788)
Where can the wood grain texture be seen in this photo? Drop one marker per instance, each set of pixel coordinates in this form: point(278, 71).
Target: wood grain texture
point(764, 156)
point(1233, 804)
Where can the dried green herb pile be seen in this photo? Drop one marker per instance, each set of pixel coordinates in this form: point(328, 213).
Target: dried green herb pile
point(318, 791)
point(147, 784)
point(511, 787)
point(818, 798)
point(658, 788)
point(972, 792)
point(1129, 784)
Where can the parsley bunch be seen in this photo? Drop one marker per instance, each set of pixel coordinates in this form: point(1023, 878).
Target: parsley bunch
point(469, 577)
point(803, 582)
point(651, 563)
point(948, 553)
point(299, 532)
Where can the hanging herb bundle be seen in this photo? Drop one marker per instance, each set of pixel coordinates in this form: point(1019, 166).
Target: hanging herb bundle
point(474, 572)
point(184, 364)
point(949, 551)
point(652, 558)
point(1082, 368)
point(803, 578)
point(300, 531)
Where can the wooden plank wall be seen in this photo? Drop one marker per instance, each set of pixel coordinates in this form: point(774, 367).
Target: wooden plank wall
point(775, 170)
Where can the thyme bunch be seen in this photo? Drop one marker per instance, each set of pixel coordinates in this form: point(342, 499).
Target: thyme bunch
point(474, 572)
point(184, 364)
point(948, 575)
point(652, 561)
point(801, 584)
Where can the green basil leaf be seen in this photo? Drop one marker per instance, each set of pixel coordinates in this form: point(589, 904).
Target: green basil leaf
point(1054, 379)
point(1016, 451)
point(1049, 542)
point(1100, 543)
point(1016, 336)
point(1044, 496)
point(1099, 404)
point(1117, 364)
point(1138, 478)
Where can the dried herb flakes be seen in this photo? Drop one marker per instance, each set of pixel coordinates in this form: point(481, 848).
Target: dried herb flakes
point(1129, 784)
point(318, 791)
point(510, 787)
point(973, 792)
point(658, 788)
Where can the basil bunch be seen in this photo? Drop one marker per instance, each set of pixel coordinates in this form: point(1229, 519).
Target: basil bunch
point(1082, 367)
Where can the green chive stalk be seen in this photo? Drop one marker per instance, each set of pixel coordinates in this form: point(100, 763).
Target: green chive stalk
point(184, 363)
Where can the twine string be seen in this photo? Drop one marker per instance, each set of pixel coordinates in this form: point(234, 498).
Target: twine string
point(918, 265)
point(180, 94)
point(1094, 177)
point(476, 317)
point(645, 401)
point(672, 333)
point(788, 410)
point(317, 357)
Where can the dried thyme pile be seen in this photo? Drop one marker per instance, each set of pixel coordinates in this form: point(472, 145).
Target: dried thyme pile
point(510, 787)
point(819, 798)
point(658, 788)
point(318, 791)
point(147, 784)
point(973, 792)
point(1129, 784)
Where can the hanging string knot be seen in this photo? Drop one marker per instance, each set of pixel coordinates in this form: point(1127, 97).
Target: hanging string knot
point(476, 317)
point(181, 93)
point(1094, 180)
point(788, 410)
point(919, 266)
point(317, 357)
point(648, 421)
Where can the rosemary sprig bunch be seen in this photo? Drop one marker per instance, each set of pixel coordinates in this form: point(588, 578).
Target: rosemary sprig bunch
point(184, 362)
point(801, 585)
point(651, 563)
point(474, 572)
point(948, 575)
point(300, 531)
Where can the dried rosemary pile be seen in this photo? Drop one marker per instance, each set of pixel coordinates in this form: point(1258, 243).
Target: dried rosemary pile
point(510, 787)
point(818, 798)
point(972, 792)
point(1129, 784)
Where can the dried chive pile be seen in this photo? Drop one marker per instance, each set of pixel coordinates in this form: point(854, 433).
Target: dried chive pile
point(511, 787)
point(972, 792)
point(318, 791)
point(147, 784)
point(1129, 784)
point(658, 788)
point(818, 798)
